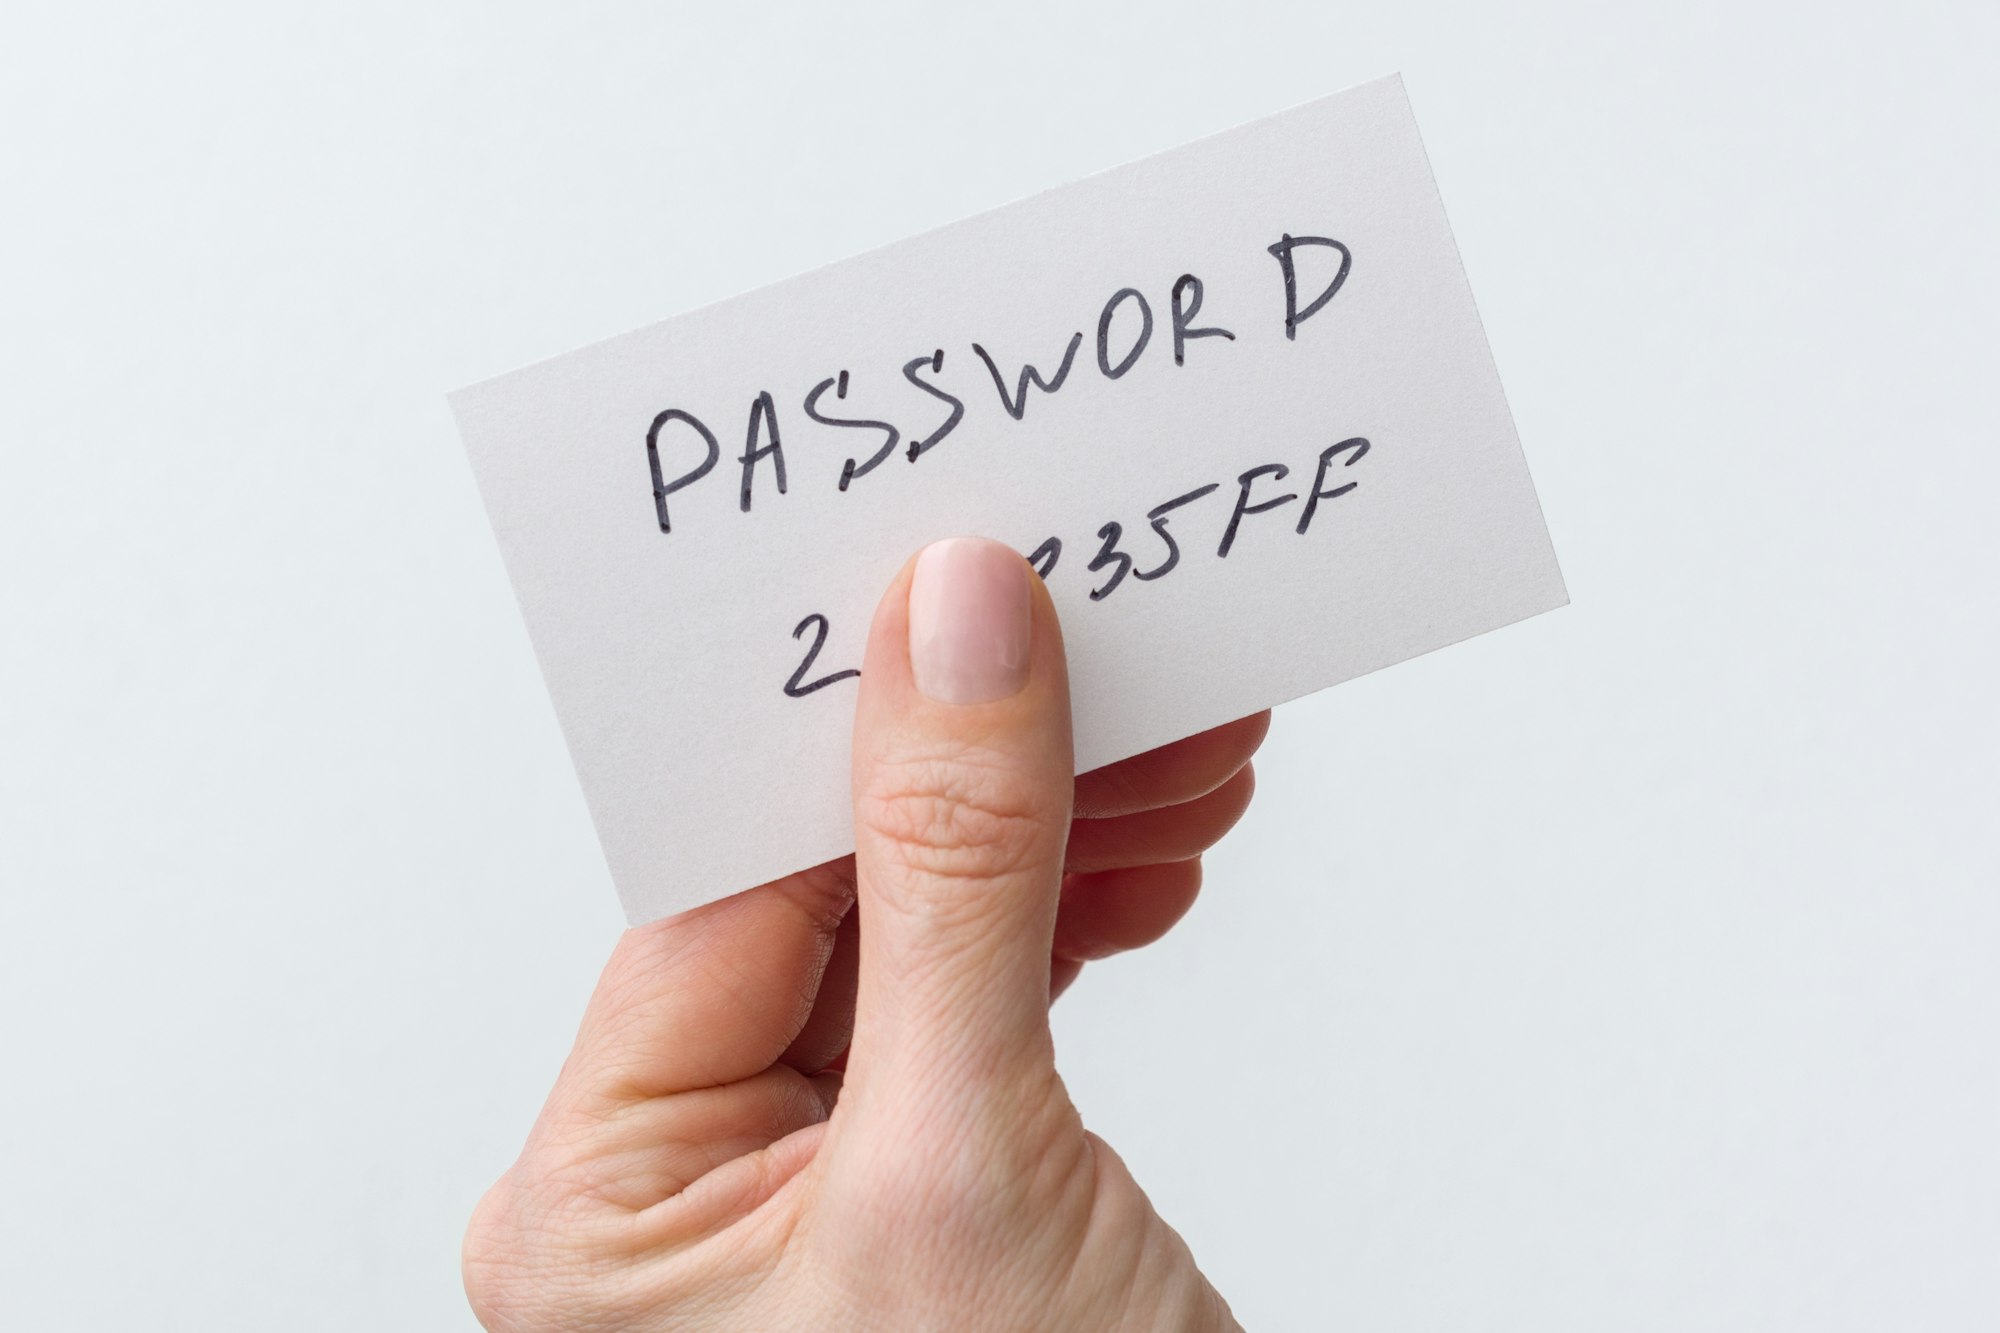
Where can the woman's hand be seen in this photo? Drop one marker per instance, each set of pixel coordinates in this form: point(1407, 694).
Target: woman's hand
point(703, 1161)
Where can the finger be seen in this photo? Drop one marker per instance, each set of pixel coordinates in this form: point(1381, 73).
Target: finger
point(1176, 833)
point(1112, 911)
point(1063, 973)
point(709, 997)
point(830, 1026)
point(961, 786)
point(1173, 774)
point(651, 1150)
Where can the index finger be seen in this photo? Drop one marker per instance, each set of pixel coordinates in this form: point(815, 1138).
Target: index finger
point(1180, 771)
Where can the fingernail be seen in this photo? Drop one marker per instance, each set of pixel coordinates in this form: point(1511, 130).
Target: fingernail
point(969, 619)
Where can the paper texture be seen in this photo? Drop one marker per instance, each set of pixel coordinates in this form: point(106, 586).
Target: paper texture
point(689, 606)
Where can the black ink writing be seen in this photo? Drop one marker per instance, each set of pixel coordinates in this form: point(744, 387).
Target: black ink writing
point(662, 489)
point(1276, 472)
point(1131, 357)
point(936, 362)
point(1157, 516)
point(1125, 328)
point(851, 469)
point(1017, 406)
point(762, 411)
point(1283, 253)
point(1356, 449)
point(793, 686)
point(1109, 554)
point(1184, 330)
point(1118, 564)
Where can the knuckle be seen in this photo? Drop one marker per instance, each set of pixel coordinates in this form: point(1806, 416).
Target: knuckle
point(962, 816)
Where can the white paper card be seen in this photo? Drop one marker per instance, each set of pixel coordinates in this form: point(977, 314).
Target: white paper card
point(1323, 410)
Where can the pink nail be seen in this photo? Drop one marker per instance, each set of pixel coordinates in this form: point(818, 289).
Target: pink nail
point(969, 618)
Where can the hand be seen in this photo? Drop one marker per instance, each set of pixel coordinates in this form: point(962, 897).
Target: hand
point(703, 1161)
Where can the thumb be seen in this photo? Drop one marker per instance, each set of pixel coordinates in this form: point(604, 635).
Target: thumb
point(962, 785)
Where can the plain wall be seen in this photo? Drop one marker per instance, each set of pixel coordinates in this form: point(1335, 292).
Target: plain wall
point(1632, 968)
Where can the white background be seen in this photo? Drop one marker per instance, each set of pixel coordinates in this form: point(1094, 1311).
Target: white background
point(1632, 968)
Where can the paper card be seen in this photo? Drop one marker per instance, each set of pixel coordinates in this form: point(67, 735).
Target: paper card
point(1233, 399)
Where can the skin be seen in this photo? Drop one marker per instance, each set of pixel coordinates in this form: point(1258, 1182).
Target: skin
point(831, 1102)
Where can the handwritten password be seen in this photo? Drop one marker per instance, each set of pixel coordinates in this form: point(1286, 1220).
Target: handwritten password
point(676, 431)
point(1117, 563)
